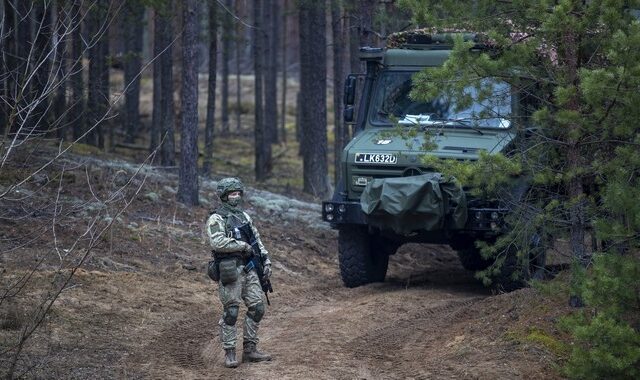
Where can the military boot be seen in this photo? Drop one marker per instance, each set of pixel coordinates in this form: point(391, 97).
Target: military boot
point(230, 360)
point(251, 353)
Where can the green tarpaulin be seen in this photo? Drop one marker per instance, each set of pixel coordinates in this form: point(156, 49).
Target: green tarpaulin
point(427, 202)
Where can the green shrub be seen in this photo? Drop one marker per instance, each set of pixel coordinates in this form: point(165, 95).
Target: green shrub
point(606, 345)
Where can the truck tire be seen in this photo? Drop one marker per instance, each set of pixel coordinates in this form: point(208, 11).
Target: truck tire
point(513, 275)
point(472, 260)
point(360, 264)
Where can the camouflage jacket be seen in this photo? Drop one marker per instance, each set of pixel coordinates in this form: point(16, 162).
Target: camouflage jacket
point(220, 232)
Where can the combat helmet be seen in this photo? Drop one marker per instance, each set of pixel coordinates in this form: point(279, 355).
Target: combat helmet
point(229, 185)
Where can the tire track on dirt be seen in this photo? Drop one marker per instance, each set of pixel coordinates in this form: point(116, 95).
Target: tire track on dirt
point(190, 346)
point(393, 341)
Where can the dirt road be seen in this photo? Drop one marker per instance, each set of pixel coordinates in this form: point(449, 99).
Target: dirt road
point(428, 321)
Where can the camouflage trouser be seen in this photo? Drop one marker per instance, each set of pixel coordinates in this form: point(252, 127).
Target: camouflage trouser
point(246, 288)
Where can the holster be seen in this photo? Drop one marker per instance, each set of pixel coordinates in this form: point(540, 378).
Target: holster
point(213, 269)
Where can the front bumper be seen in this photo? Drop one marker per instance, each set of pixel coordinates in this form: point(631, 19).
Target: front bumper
point(486, 219)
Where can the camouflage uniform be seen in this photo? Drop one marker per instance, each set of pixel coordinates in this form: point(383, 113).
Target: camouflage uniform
point(246, 288)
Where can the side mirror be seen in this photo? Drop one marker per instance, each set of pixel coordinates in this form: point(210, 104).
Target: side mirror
point(350, 90)
point(348, 114)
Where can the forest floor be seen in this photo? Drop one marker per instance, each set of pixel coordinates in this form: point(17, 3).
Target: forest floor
point(141, 305)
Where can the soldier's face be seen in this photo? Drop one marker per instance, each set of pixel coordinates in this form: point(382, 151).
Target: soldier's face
point(234, 198)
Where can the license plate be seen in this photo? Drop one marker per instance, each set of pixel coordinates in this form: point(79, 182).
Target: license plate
point(376, 158)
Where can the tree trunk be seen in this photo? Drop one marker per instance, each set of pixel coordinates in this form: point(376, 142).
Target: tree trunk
point(133, 32)
point(225, 58)
point(188, 185)
point(23, 121)
point(271, 71)
point(283, 101)
point(577, 209)
point(76, 115)
point(167, 109)
point(340, 137)
point(7, 65)
point(262, 145)
point(98, 83)
point(43, 86)
point(156, 119)
point(238, 44)
point(313, 86)
point(354, 41)
point(105, 98)
point(207, 163)
point(62, 58)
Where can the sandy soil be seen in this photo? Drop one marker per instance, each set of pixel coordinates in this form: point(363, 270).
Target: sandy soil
point(142, 307)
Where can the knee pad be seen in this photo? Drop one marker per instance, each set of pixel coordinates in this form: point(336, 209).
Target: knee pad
point(256, 312)
point(230, 315)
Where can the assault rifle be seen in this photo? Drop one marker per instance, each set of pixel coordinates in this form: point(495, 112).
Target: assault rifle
point(245, 233)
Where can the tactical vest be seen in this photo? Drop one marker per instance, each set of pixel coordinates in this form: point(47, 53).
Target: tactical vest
point(231, 220)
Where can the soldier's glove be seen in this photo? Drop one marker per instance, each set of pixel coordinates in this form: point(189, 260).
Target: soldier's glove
point(248, 250)
point(267, 271)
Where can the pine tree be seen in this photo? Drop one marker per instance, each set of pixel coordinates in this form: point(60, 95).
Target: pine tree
point(188, 185)
point(209, 130)
point(339, 55)
point(262, 145)
point(313, 90)
point(132, 60)
point(227, 35)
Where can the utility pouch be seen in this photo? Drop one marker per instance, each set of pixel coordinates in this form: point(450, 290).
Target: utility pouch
point(213, 270)
point(228, 270)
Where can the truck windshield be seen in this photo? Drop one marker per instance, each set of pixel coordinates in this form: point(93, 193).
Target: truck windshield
point(392, 102)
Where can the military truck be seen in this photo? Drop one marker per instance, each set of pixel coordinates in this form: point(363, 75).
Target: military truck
point(387, 196)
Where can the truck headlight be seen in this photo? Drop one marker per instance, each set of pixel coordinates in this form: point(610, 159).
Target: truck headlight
point(329, 217)
point(328, 207)
point(342, 209)
point(494, 216)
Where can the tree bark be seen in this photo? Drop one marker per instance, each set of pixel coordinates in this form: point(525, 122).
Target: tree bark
point(133, 32)
point(207, 163)
point(225, 58)
point(24, 98)
point(283, 101)
point(313, 84)
point(188, 185)
point(76, 115)
point(8, 65)
point(42, 62)
point(340, 137)
point(261, 138)
point(238, 44)
point(155, 130)
point(271, 70)
point(62, 70)
point(167, 109)
point(354, 41)
point(105, 98)
point(98, 95)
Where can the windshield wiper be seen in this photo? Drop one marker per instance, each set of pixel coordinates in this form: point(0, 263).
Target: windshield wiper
point(468, 125)
point(424, 121)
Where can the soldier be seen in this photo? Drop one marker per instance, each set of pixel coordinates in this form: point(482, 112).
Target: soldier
point(235, 283)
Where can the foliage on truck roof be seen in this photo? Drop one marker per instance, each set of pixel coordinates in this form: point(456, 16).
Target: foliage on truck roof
point(428, 37)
